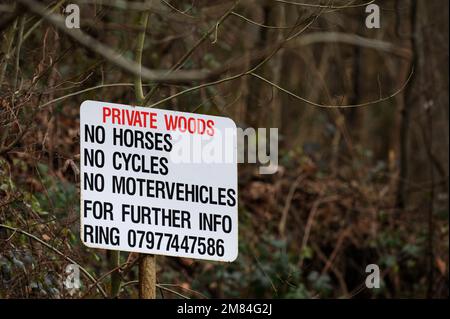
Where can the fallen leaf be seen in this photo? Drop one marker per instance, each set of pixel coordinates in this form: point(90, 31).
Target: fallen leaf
point(441, 265)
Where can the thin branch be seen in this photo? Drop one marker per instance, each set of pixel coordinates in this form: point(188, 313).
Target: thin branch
point(304, 40)
point(198, 87)
point(18, 49)
point(34, 26)
point(334, 106)
point(172, 291)
point(184, 288)
point(160, 286)
point(234, 77)
point(124, 267)
point(260, 24)
point(143, 21)
point(109, 54)
point(154, 7)
point(22, 131)
point(325, 6)
point(310, 222)
point(83, 270)
point(287, 205)
point(352, 39)
point(84, 91)
point(186, 56)
point(179, 64)
point(9, 39)
point(167, 3)
point(7, 21)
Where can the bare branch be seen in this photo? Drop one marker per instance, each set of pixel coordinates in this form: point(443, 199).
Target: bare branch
point(109, 54)
point(383, 99)
point(325, 6)
point(84, 271)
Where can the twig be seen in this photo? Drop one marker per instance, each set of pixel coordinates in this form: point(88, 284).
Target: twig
point(260, 24)
point(335, 106)
point(83, 270)
point(167, 3)
point(179, 64)
point(287, 205)
point(352, 39)
point(181, 76)
point(324, 6)
point(160, 286)
point(143, 21)
point(184, 288)
point(101, 86)
point(310, 222)
point(237, 76)
point(125, 266)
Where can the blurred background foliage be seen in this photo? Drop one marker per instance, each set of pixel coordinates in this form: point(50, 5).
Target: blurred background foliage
point(355, 186)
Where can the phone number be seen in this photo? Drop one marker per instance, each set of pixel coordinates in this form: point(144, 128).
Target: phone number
point(174, 242)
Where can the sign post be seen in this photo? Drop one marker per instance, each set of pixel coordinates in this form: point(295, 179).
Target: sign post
point(147, 276)
point(158, 182)
point(147, 263)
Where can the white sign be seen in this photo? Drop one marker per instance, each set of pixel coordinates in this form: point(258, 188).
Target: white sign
point(158, 182)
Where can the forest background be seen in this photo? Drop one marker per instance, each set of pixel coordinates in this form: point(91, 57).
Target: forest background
point(364, 134)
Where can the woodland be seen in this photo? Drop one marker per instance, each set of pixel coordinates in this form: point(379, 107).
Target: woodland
point(362, 117)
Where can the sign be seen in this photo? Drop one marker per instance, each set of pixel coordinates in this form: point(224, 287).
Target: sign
point(158, 182)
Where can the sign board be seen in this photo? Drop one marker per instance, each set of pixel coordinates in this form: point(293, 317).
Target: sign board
point(158, 182)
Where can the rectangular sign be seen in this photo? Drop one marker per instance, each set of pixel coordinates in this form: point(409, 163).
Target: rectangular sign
point(158, 182)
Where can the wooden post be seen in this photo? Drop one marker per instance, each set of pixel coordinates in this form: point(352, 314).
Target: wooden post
point(147, 263)
point(116, 280)
point(147, 276)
